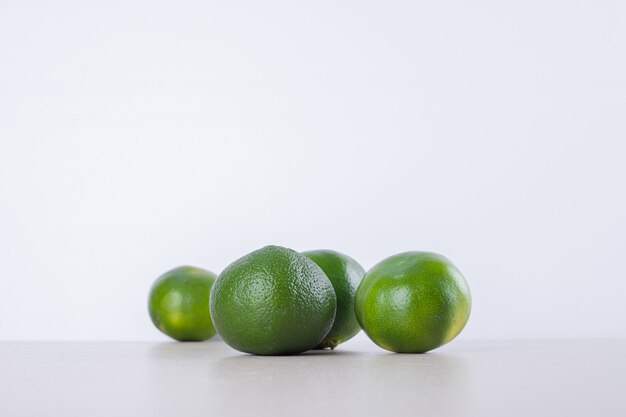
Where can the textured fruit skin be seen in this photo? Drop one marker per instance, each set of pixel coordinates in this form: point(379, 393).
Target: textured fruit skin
point(179, 303)
point(413, 302)
point(273, 301)
point(345, 274)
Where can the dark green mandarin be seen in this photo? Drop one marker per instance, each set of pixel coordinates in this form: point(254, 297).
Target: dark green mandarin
point(273, 301)
point(345, 274)
point(179, 303)
point(413, 302)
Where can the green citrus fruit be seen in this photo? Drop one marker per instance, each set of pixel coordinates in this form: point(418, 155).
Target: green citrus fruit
point(413, 302)
point(179, 303)
point(345, 274)
point(273, 301)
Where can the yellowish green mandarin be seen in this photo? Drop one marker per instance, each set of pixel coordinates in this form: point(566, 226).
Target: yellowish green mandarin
point(179, 303)
point(413, 302)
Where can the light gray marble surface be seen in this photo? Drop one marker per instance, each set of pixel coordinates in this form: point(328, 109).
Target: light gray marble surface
point(465, 378)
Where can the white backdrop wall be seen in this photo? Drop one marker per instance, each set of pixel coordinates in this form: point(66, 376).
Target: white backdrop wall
point(139, 136)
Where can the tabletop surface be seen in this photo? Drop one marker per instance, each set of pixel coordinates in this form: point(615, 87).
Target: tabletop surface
point(464, 378)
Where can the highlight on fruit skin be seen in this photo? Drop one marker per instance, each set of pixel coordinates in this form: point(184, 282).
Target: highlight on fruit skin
point(273, 301)
point(345, 274)
point(178, 304)
point(413, 302)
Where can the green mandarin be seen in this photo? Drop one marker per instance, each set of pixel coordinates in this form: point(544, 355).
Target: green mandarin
point(273, 301)
point(345, 274)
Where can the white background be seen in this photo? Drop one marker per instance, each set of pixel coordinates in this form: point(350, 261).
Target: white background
point(139, 136)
